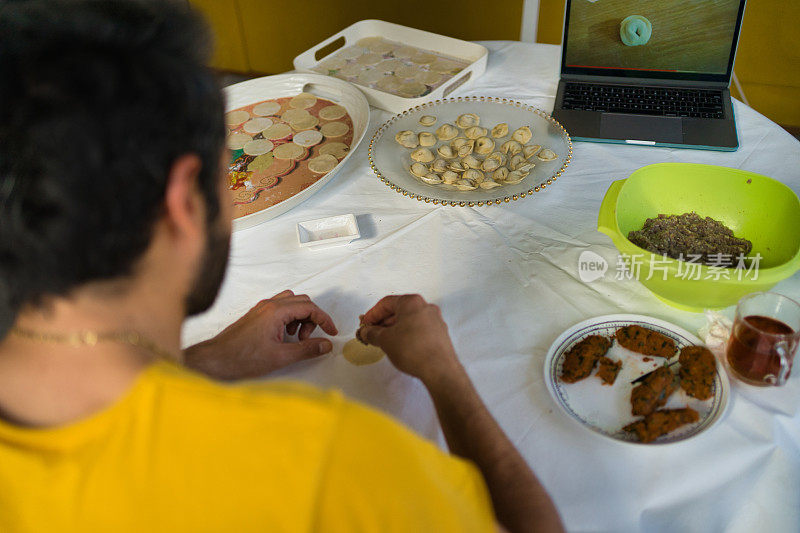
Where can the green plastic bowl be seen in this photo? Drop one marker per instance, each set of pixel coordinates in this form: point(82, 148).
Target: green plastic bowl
point(755, 207)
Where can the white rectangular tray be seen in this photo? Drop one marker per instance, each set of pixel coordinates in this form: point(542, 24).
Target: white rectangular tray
point(472, 53)
point(326, 232)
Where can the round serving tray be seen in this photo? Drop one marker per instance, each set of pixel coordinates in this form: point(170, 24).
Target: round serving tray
point(391, 162)
point(606, 409)
point(270, 87)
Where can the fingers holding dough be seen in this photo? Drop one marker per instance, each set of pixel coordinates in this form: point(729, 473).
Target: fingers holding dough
point(359, 354)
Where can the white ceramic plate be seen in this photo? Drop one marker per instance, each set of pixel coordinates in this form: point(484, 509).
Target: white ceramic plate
point(606, 409)
point(391, 162)
point(270, 87)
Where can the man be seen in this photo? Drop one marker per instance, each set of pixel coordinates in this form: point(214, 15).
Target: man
point(114, 226)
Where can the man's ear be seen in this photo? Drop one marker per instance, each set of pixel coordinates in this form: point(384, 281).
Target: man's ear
point(184, 208)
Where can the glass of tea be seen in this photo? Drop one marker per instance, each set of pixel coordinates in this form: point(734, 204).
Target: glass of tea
point(764, 339)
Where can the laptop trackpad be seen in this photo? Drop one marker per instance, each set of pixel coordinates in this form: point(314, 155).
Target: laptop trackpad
point(641, 128)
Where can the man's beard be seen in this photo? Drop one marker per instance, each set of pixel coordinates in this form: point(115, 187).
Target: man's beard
point(212, 270)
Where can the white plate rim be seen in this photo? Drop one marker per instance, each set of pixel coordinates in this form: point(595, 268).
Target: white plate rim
point(280, 85)
point(452, 203)
point(558, 347)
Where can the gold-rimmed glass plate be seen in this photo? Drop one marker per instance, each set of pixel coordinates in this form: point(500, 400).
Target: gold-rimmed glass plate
point(391, 162)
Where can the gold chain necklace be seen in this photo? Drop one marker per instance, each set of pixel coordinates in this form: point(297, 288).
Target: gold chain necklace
point(91, 338)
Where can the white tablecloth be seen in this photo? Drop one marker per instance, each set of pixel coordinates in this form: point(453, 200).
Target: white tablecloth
point(507, 282)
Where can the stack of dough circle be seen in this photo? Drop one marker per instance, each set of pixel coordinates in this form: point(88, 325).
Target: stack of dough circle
point(236, 141)
point(332, 112)
point(379, 63)
point(303, 101)
point(257, 125)
point(289, 151)
point(235, 118)
point(322, 164)
point(334, 129)
point(266, 109)
point(307, 138)
point(277, 131)
point(337, 150)
point(258, 147)
point(279, 147)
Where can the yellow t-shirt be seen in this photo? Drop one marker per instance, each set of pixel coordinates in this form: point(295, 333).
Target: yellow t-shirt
point(181, 453)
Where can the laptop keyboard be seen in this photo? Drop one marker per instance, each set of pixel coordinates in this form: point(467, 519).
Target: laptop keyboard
point(664, 101)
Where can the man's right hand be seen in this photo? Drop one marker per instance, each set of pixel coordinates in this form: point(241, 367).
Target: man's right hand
point(413, 334)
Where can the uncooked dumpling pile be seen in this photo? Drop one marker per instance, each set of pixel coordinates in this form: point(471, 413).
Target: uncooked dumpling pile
point(466, 156)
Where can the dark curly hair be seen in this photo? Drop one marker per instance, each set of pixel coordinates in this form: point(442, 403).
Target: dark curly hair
point(97, 100)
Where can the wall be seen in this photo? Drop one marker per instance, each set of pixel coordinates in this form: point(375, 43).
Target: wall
point(270, 34)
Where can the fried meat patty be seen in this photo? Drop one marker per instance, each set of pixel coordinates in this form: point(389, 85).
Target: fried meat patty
point(645, 341)
point(608, 369)
point(653, 392)
point(698, 367)
point(661, 422)
point(581, 359)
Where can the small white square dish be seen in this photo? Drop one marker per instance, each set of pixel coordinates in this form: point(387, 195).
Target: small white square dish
point(326, 232)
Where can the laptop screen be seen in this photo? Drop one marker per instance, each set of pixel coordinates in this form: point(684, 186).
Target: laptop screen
point(666, 39)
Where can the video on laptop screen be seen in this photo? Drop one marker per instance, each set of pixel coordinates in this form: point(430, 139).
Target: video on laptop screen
point(690, 36)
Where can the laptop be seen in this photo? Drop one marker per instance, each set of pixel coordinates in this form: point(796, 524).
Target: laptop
point(653, 72)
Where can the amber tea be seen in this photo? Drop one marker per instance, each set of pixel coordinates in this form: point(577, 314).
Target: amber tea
point(762, 344)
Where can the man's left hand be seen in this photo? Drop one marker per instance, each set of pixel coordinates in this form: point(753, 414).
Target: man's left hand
point(257, 344)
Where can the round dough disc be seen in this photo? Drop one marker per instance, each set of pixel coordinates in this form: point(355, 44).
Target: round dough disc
point(236, 141)
point(423, 59)
point(389, 84)
point(442, 66)
point(369, 59)
point(360, 354)
point(334, 63)
point(322, 164)
point(428, 78)
point(293, 115)
point(234, 118)
point(277, 131)
point(266, 109)
point(389, 65)
point(406, 71)
point(304, 123)
point(405, 51)
point(289, 151)
point(368, 42)
point(412, 89)
point(307, 138)
point(352, 52)
point(350, 70)
point(334, 129)
point(258, 147)
point(337, 150)
point(257, 125)
point(303, 101)
point(369, 75)
point(332, 112)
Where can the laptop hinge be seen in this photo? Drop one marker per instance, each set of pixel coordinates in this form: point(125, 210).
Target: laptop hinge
point(643, 81)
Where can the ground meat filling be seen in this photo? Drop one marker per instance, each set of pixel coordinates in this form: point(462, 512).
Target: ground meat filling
point(687, 235)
